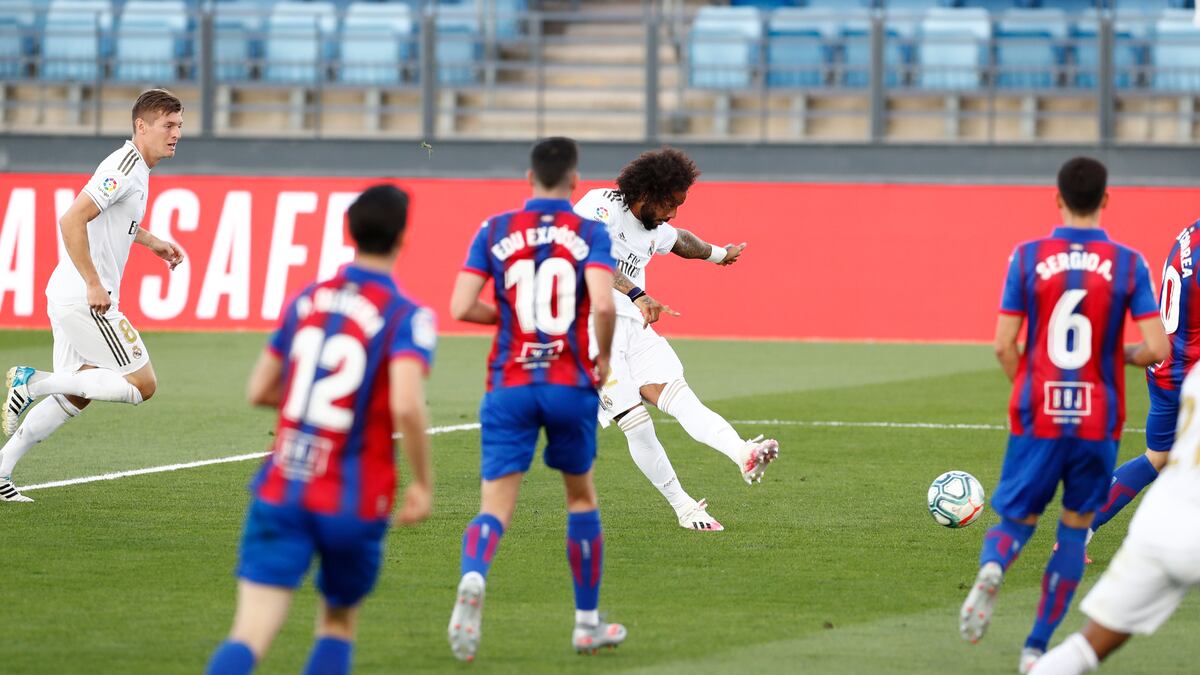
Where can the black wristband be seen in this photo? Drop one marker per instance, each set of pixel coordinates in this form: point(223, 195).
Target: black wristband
point(635, 293)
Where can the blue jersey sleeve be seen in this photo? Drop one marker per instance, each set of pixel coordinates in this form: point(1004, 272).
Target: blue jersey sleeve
point(1141, 298)
point(600, 251)
point(416, 337)
point(1013, 300)
point(477, 255)
point(280, 341)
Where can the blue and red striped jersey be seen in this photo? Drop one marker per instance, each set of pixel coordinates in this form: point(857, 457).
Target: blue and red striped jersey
point(536, 258)
point(1074, 289)
point(1180, 319)
point(333, 452)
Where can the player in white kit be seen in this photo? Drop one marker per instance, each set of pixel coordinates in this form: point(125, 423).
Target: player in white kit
point(1156, 566)
point(649, 192)
point(98, 355)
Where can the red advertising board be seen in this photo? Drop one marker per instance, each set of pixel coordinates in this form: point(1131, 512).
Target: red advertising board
point(837, 261)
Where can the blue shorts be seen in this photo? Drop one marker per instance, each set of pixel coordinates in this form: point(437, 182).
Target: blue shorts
point(512, 417)
point(1033, 468)
point(1162, 418)
point(279, 542)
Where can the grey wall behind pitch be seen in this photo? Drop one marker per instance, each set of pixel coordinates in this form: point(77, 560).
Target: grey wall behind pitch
point(924, 163)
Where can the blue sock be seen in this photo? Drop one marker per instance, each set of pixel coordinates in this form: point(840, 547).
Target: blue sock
point(1128, 480)
point(585, 552)
point(1063, 573)
point(1004, 542)
point(231, 658)
point(479, 543)
point(330, 656)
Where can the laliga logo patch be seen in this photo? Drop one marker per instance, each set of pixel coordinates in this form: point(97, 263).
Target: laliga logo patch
point(108, 185)
point(602, 213)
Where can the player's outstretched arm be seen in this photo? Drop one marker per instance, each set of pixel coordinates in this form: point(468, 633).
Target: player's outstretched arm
point(75, 240)
point(692, 247)
point(465, 304)
point(1008, 326)
point(604, 316)
point(166, 250)
point(266, 380)
point(409, 417)
point(1154, 346)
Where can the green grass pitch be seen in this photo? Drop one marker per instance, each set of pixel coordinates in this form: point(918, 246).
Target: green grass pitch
point(831, 565)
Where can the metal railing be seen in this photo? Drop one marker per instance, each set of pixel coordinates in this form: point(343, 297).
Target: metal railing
point(639, 75)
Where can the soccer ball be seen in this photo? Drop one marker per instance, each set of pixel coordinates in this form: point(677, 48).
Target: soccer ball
point(956, 499)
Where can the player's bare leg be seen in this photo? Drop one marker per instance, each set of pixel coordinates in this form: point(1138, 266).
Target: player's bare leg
point(678, 400)
point(333, 651)
point(585, 553)
point(651, 458)
point(498, 501)
point(261, 611)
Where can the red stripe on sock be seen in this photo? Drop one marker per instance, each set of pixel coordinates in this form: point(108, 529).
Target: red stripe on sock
point(597, 547)
point(472, 546)
point(575, 557)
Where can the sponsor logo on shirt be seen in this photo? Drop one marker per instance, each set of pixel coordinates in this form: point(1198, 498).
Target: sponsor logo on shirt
point(108, 186)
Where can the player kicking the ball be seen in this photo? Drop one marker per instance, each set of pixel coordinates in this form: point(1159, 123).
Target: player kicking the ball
point(548, 268)
point(1073, 290)
point(98, 356)
point(346, 368)
point(650, 190)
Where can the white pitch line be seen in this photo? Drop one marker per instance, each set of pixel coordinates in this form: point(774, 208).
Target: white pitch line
point(475, 425)
point(204, 462)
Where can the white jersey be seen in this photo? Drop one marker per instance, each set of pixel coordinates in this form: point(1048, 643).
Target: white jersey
point(119, 188)
point(632, 244)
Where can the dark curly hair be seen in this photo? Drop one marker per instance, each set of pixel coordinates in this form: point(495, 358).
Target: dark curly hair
point(656, 175)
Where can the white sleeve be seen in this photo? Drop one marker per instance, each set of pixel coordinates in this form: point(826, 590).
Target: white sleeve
point(107, 187)
point(665, 238)
point(594, 206)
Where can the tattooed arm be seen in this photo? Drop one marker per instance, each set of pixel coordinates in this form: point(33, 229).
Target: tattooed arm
point(688, 245)
point(622, 283)
point(648, 306)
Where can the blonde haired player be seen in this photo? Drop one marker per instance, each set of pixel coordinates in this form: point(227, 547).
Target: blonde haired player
point(98, 355)
point(1156, 566)
point(650, 190)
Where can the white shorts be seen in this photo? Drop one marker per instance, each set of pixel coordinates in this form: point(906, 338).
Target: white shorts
point(1141, 588)
point(640, 356)
point(82, 337)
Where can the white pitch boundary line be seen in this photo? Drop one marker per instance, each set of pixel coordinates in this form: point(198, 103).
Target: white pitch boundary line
point(475, 425)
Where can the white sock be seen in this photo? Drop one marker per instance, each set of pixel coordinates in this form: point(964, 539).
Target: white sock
point(45, 417)
point(95, 384)
point(701, 423)
point(587, 617)
point(1074, 656)
point(651, 458)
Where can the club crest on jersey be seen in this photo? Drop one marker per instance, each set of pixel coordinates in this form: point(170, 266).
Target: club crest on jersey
point(137, 352)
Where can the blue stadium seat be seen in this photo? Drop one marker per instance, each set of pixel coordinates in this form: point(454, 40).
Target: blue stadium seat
point(147, 36)
point(1129, 52)
point(765, 5)
point(951, 48)
point(843, 5)
point(508, 17)
point(724, 47)
point(1175, 53)
point(296, 45)
point(73, 48)
point(992, 6)
point(11, 53)
point(1148, 6)
point(797, 49)
point(237, 38)
point(376, 41)
point(1029, 48)
point(1072, 6)
point(457, 43)
point(856, 50)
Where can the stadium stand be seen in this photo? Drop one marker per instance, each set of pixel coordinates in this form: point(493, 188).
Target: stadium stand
point(998, 70)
